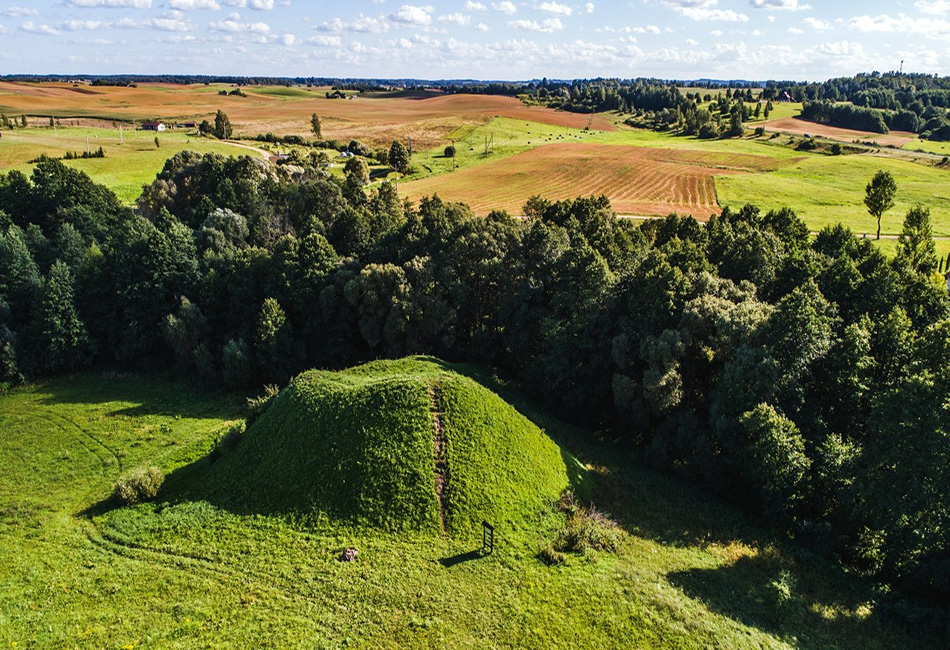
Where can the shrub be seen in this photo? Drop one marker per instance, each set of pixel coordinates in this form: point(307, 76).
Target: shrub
point(257, 405)
point(759, 130)
point(585, 530)
point(836, 149)
point(449, 151)
point(140, 485)
point(226, 441)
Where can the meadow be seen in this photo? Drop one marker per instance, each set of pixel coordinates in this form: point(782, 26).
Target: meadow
point(77, 570)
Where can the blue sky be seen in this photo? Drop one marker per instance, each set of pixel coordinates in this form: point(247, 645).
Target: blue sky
point(484, 39)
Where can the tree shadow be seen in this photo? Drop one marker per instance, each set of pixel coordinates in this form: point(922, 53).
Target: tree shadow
point(769, 592)
point(176, 399)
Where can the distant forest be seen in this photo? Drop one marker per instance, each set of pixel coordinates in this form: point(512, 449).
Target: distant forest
point(803, 378)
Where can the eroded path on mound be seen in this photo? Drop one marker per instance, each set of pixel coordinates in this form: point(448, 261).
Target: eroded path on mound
point(438, 436)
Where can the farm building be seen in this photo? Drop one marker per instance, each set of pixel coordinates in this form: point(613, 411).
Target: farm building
point(153, 126)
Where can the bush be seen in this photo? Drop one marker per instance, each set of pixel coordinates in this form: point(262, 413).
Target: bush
point(257, 405)
point(226, 441)
point(836, 149)
point(708, 131)
point(140, 485)
point(585, 530)
point(759, 130)
point(449, 151)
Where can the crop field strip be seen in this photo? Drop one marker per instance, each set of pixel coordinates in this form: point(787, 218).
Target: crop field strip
point(638, 180)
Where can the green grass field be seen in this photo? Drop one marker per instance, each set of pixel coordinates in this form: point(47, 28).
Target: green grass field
point(127, 166)
point(78, 571)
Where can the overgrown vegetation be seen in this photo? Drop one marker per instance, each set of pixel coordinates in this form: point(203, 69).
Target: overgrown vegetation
point(141, 485)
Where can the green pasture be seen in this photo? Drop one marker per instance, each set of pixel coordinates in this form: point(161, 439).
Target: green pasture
point(127, 166)
point(78, 570)
point(825, 190)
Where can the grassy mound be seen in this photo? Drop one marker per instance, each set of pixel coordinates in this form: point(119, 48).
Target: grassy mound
point(399, 445)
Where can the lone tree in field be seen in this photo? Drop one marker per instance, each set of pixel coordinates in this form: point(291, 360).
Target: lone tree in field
point(222, 126)
point(450, 151)
point(315, 127)
point(399, 157)
point(879, 196)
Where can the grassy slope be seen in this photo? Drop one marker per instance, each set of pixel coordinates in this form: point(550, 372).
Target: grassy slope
point(691, 574)
point(357, 447)
point(126, 167)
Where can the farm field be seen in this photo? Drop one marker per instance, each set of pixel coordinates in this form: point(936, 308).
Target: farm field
point(127, 166)
point(803, 127)
point(638, 180)
point(377, 118)
point(79, 572)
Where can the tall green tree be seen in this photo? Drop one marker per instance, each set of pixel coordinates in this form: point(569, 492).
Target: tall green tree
point(275, 346)
point(916, 247)
point(60, 338)
point(222, 126)
point(399, 157)
point(315, 127)
point(879, 196)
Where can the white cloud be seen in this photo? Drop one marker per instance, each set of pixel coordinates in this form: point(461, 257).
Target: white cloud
point(790, 5)
point(546, 26)
point(691, 42)
point(189, 5)
point(288, 39)
point(134, 4)
point(233, 25)
point(505, 7)
point(555, 8)
point(933, 7)
point(900, 24)
point(77, 25)
point(361, 24)
point(259, 5)
point(481, 27)
point(455, 19)
point(589, 7)
point(325, 41)
point(412, 15)
point(795, 30)
point(18, 11)
point(817, 25)
point(474, 6)
point(703, 13)
point(46, 30)
point(716, 32)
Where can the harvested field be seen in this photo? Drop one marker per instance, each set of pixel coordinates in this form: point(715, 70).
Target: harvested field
point(638, 180)
point(802, 127)
point(375, 118)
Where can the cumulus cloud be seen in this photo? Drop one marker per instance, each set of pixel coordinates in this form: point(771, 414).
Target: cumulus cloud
point(288, 39)
point(816, 24)
point(134, 4)
point(589, 7)
point(259, 5)
point(234, 25)
point(900, 24)
point(788, 5)
point(78, 25)
point(325, 41)
point(505, 7)
point(188, 5)
point(18, 11)
point(474, 6)
point(361, 25)
point(33, 28)
point(546, 26)
point(455, 19)
point(933, 7)
point(412, 15)
point(555, 8)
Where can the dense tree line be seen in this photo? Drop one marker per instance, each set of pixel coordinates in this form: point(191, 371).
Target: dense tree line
point(805, 379)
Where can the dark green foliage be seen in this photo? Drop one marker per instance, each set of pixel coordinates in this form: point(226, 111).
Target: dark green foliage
point(58, 338)
point(222, 126)
point(879, 196)
point(916, 247)
point(399, 157)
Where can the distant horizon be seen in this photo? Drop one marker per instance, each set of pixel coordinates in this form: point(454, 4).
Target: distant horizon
point(472, 39)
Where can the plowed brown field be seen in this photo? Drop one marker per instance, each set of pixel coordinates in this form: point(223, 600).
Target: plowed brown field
point(637, 180)
point(801, 127)
point(375, 118)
